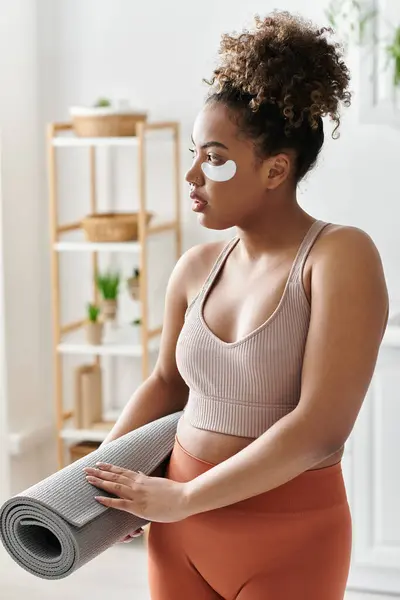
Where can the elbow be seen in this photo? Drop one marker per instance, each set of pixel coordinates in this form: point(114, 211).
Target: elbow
point(332, 447)
point(330, 443)
point(321, 441)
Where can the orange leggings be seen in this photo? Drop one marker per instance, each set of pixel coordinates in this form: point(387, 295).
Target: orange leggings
point(291, 543)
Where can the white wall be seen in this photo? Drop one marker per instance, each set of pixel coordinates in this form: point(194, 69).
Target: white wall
point(4, 462)
point(22, 211)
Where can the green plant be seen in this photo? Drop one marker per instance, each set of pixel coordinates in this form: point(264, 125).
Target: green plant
point(351, 15)
point(108, 285)
point(102, 102)
point(137, 321)
point(93, 312)
point(393, 51)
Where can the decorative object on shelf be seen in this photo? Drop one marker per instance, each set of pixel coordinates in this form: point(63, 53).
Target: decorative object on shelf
point(351, 18)
point(88, 396)
point(108, 285)
point(105, 120)
point(134, 284)
point(102, 102)
point(94, 327)
point(77, 451)
point(113, 226)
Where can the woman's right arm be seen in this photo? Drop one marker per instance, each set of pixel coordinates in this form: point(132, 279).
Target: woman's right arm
point(164, 392)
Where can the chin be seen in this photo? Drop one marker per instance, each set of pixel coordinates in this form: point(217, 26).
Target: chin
point(209, 223)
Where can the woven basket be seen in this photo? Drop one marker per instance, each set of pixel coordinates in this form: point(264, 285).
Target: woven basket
point(112, 227)
point(112, 125)
point(82, 449)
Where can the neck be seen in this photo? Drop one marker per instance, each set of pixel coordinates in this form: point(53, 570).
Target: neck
point(284, 224)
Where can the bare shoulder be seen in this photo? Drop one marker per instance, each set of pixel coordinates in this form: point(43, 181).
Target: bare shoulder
point(347, 261)
point(194, 265)
point(202, 256)
point(346, 247)
point(343, 238)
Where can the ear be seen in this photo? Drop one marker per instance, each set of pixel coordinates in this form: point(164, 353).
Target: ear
point(276, 170)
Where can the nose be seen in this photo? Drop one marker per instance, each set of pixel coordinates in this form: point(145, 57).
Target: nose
point(195, 175)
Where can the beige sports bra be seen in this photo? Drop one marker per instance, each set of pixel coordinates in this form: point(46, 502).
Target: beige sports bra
point(244, 387)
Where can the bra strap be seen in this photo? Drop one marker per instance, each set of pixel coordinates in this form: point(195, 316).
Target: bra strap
point(304, 250)
point(213, 273)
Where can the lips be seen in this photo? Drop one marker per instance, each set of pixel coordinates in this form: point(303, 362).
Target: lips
point(197, 197)
point(199, 203)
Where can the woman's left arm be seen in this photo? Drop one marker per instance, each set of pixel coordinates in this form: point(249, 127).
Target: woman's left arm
point(348, 318)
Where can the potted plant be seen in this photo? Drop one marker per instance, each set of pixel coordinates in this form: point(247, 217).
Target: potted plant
point(134, 284)
point(94, 327)
point(108, 285)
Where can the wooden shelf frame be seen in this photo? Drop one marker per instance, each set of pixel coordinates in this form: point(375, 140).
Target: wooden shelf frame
point(57, 230)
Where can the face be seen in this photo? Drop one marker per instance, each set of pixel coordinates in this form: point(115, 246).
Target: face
point(229, 185)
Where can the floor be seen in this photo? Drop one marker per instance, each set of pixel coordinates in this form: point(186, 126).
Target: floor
point(120, 571)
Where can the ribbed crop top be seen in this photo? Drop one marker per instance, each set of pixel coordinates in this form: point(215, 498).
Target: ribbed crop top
point(244, 387)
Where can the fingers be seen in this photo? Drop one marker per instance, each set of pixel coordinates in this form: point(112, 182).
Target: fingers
point(108, 476)
point(135, 534)
point(108, 468)
point(118, 470)
point(117, 503)
point(121, 489)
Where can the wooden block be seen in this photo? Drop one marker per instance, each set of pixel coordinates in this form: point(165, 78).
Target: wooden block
point(88, 396)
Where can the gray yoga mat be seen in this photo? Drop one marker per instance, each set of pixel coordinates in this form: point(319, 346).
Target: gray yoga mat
point(56, 526)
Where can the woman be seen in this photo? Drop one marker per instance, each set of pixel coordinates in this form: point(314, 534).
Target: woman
point(270, 343)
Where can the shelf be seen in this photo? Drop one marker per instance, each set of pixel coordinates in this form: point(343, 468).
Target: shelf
point(77, 242)
point(70, 237)
point(123, 341)
point(71, 141)
point(76, 142)
point(82, 246)
point(79, 435)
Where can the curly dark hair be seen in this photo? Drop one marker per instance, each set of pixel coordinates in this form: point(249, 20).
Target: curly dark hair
point(279, 80)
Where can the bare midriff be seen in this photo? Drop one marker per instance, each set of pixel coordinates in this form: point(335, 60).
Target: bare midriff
point(216, 447)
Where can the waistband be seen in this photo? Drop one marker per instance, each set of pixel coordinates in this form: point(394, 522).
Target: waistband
point(315, 489)
point(231, 417)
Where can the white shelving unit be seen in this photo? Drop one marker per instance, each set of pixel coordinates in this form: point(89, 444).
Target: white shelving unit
point(70, 141)
point(120, 342)
point(82, 246)
point(69, 338)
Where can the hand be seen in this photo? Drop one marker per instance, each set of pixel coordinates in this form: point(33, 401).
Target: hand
point(151, 498)
point(131, 536)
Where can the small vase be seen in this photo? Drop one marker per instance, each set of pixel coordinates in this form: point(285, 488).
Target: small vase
point(109, 309)
point(134, 288)
point(94, 332)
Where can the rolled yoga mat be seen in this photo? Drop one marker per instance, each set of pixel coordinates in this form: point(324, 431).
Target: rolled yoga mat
point(55, 527)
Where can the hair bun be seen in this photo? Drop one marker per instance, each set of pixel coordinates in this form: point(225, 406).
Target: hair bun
point(287, 62)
